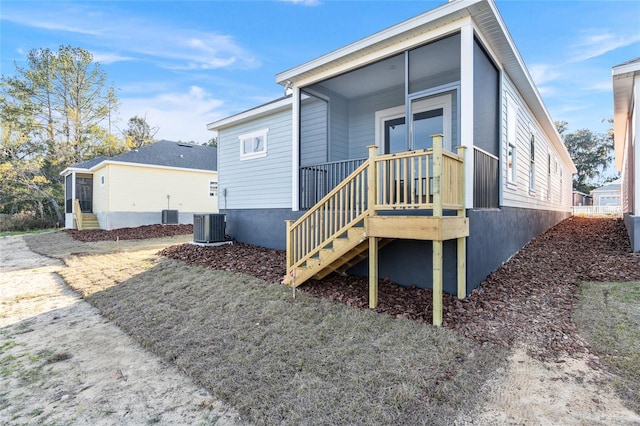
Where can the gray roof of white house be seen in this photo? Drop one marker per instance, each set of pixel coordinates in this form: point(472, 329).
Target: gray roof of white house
point(611, 186)
point(162, 153)
point(172, 154)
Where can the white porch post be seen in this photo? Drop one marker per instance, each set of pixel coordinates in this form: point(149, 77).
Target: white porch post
point(295, 149)
point(466, 106)
point(633, 131)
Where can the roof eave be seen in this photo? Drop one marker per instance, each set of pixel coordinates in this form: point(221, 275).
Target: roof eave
point(622, 76)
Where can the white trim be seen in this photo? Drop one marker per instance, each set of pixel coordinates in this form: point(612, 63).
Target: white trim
point(251, 114)
point(262, 133)
point(295, 150)
point(418, 105)
point(466, 106)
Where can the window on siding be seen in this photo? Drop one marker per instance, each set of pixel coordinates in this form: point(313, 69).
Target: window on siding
point(548, 176)
point(102, 180)
point(253, 145)
point(213, 188)
point(512, 123)
point(532, 164)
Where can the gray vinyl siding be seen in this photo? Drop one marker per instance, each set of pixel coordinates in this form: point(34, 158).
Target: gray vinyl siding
point(313, 131)
point(259, 182)
point(555, 195)
point(362, 118)
point(339, 128)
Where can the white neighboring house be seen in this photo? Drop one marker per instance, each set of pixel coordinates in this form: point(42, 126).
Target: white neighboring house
point(626, 122)
point(164, 182)
point(608, 195)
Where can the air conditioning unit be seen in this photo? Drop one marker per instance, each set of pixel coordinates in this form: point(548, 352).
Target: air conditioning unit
point(169, 217)
point(208, 228)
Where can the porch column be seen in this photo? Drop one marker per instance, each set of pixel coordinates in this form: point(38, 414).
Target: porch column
point(295, 149)
point(466, 102)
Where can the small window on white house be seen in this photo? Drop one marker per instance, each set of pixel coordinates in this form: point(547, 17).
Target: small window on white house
point(213, 188)
point(102, 180)
point(253, 145)
point(548, 176)
point(512, 134)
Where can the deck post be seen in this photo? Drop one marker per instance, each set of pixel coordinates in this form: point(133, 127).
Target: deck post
point(372, 183)
point(78, 214)
point(462, 241)
point(437, 244)
point(373, 272)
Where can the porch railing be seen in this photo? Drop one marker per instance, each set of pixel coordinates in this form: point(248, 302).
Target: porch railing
point(318, 180)
point(485, 180)
point(423, 179)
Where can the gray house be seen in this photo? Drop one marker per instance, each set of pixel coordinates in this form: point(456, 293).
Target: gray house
point(423, 153)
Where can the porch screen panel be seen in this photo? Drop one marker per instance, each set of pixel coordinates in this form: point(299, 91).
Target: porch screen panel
point(313, 148)
point(434, 64)
point(486, 125)
point(68, 193)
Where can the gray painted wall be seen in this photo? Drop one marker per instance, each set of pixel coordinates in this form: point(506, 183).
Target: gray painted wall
point(116, 220)
point(495, 236)
point(263, 227)
point(632, 223)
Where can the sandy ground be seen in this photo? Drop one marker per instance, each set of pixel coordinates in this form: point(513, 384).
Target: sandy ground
point(63, 363)
point(570, 392)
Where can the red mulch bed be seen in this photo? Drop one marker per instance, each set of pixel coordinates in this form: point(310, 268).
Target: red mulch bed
point(528, 300)
point(138, 233)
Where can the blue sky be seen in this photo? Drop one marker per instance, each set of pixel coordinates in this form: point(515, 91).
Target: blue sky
point(184, 64)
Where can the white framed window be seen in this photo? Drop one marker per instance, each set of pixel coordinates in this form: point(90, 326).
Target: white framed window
point(213, 188)
point(254, 144)
point(532, 163)
point(512, 134)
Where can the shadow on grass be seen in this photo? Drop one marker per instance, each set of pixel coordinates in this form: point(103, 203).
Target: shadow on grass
point(608, 316)
point(305, 360)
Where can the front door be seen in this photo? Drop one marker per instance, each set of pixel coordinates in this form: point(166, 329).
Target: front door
point(430, 115)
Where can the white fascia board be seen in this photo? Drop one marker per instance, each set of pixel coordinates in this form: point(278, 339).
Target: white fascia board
point(148, 166)
point(358, 47)
point(70, 170)
point(251, 114)
point(623, 82)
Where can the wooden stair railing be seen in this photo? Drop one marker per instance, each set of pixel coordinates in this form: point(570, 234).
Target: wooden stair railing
point(77, 214)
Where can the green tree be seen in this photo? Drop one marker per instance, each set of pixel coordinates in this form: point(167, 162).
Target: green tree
point(592, 153)
point(139, 133)
point(52, 115)
point(213, 142)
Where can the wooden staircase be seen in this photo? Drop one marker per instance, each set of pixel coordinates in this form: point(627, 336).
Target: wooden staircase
point(84, 221)
point(345, 227)
point(90, 221)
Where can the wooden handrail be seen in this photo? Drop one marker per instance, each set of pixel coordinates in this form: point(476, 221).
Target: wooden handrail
point(405, 180)
point(77, 213)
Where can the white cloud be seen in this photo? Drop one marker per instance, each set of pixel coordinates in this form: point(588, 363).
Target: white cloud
point(167, 44)
point(303, 2)
point(178, 115)
point(597, 44)
point(109, 58)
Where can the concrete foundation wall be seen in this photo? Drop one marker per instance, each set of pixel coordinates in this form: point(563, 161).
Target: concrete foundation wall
point(632, 223)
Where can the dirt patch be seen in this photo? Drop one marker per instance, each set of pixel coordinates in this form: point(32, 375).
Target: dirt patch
point(63, 363)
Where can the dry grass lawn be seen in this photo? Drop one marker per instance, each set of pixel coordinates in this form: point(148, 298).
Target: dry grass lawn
point(275, 358)
point(608, 316)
